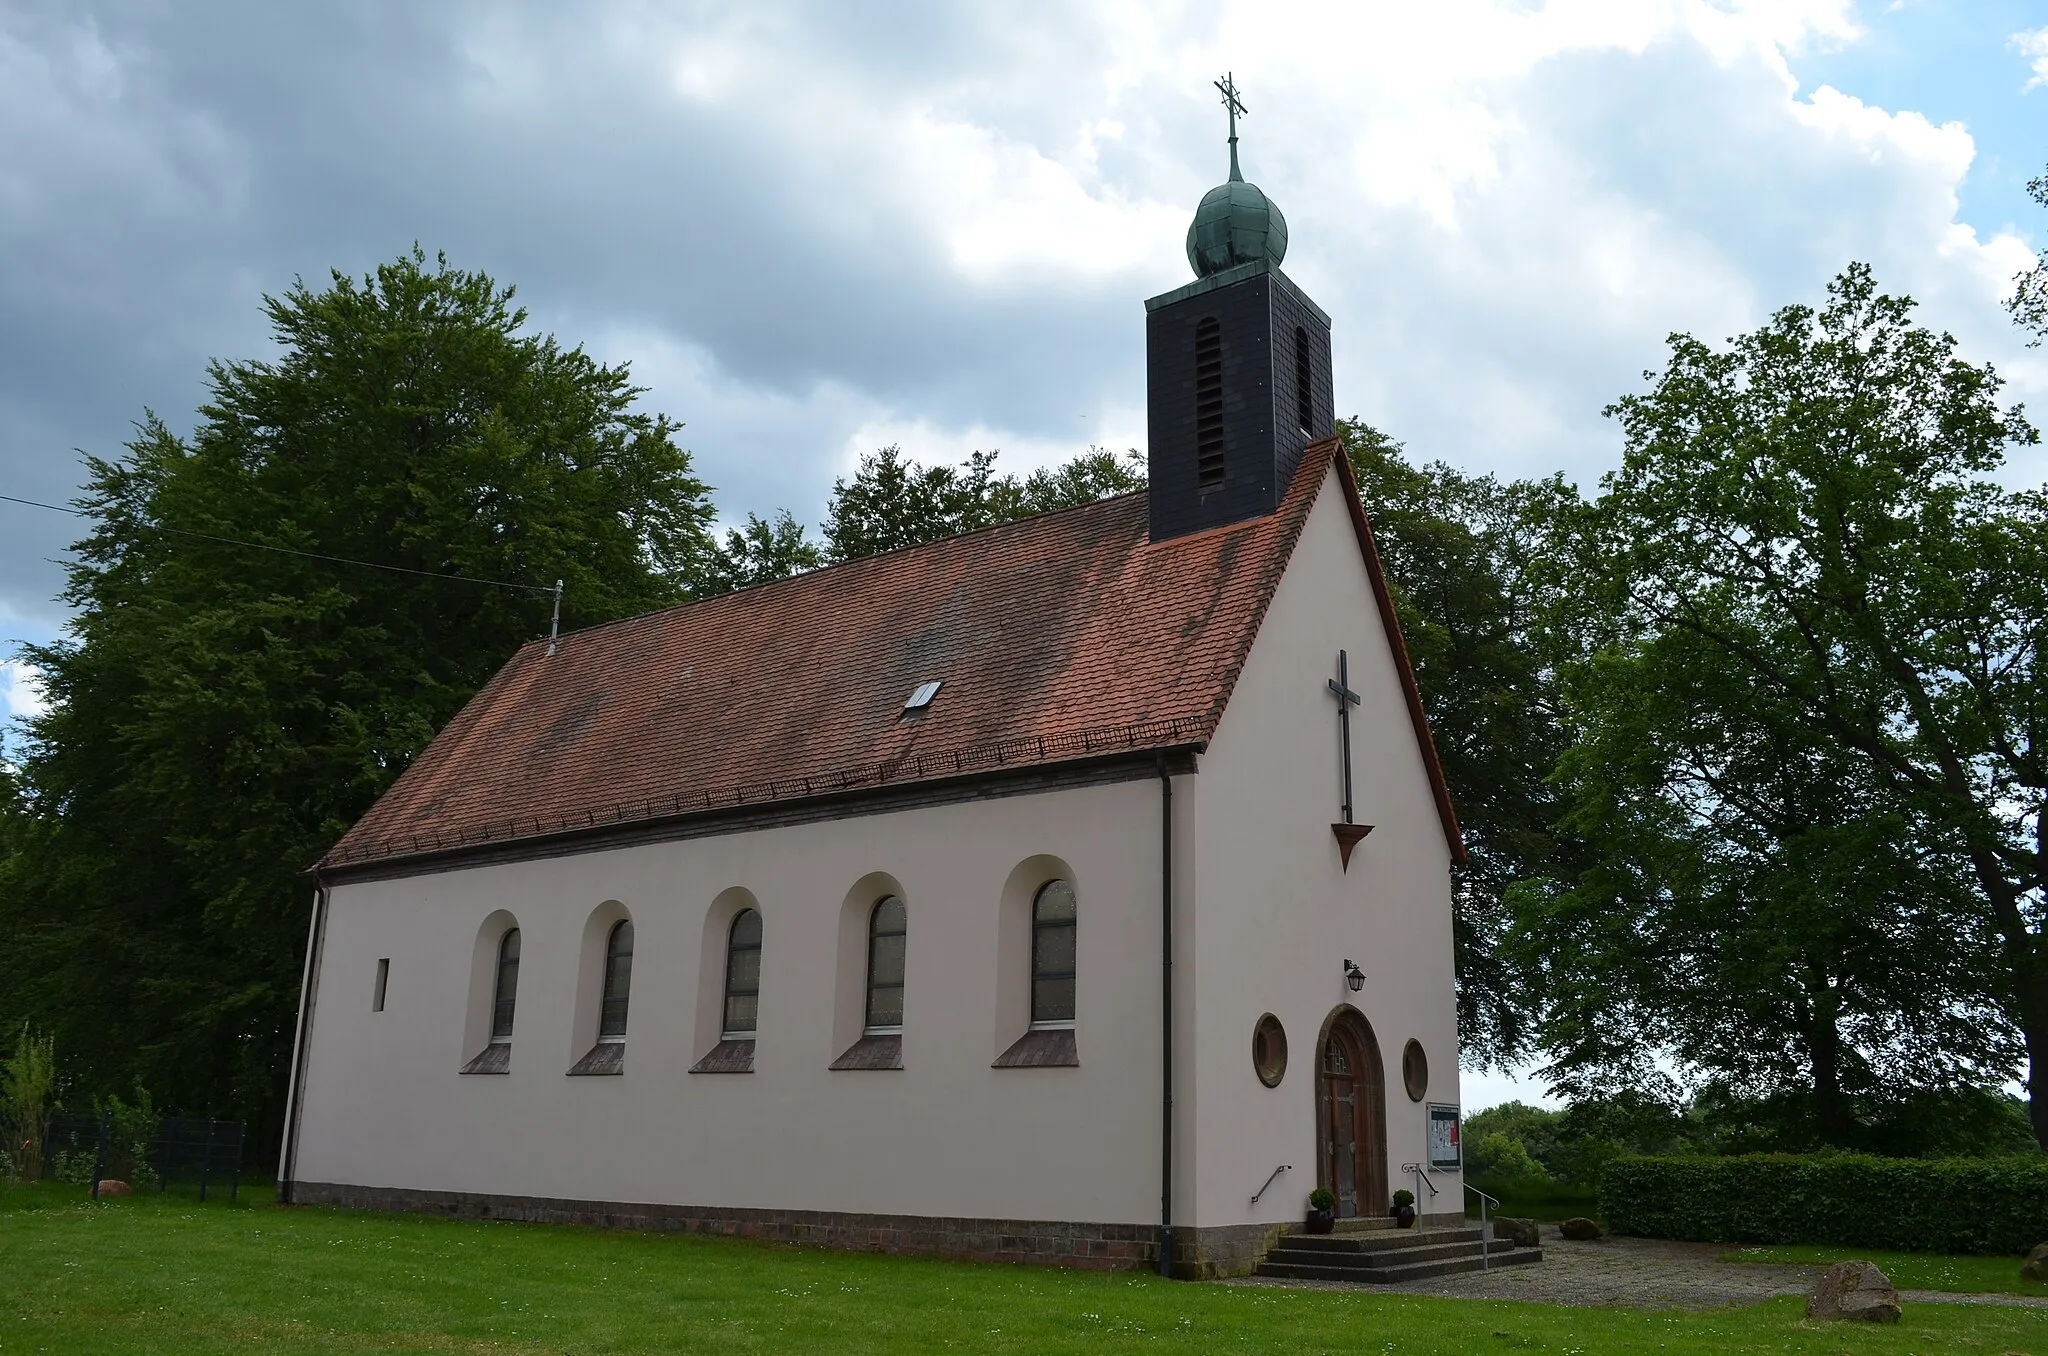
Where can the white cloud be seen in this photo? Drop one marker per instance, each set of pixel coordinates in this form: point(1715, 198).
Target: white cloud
point(1506, 206)
point(814, 230)
point(21, 694)
point(2034, 46)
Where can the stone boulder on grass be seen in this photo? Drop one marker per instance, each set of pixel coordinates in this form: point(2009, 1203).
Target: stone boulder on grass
point(110, 1186)
point(1854, 1290)
point(2035, 1268)
point(1579, 1229)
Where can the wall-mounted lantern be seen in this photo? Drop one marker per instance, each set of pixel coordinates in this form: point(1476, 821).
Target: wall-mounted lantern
point(1353, 976)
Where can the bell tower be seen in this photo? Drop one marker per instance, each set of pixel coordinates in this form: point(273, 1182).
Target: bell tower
point(1237, 365)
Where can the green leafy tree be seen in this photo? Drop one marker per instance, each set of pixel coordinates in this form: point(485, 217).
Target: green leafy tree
point(1805, 554)
point(759, 553)
point(1501, 1157)
point(1096, 474)
point(2029, 300)
point(1593, 1131)
point(133, 1129)
point(1756, 907)
point(1534, 1127)
point(1574, 1144)
point(1457, 551)
point(28, 1094)
point(893, 501)
point(220, 714)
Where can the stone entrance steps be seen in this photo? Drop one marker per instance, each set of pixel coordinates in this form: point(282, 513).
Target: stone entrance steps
point(1381, 1255)
point(1363, 1224)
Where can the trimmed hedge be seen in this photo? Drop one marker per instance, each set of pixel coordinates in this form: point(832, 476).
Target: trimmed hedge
point(1988, 1205)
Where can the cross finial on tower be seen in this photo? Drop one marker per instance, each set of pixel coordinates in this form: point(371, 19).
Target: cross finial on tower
point(1236, 107)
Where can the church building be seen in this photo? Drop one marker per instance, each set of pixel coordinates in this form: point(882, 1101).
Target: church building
point(1075, 890)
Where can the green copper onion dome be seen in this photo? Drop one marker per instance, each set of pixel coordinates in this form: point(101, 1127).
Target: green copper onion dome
point(1236, 223)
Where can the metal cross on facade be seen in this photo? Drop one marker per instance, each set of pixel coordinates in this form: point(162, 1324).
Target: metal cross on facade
point(1346, 699)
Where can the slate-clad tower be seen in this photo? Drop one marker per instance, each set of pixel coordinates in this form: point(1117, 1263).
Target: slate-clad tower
point(1237, 366)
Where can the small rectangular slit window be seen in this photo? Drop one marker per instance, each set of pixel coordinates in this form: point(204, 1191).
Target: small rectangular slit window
point(383, 978)
point(922, 696)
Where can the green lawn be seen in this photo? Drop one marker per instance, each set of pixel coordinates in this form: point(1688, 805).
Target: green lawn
point(153, 1275)
point(1912, 1270)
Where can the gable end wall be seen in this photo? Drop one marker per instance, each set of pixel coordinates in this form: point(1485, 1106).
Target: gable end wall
point(1269, 912)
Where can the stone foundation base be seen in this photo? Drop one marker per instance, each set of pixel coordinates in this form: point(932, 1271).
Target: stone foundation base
point(1198, 1254)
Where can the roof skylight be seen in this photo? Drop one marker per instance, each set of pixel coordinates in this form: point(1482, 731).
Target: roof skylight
point(922, 696)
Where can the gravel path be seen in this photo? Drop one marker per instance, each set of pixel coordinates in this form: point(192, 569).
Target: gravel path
point(1640, 1273)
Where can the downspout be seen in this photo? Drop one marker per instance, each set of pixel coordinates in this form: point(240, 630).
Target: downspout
point(1166, 1019)
point(316, 933)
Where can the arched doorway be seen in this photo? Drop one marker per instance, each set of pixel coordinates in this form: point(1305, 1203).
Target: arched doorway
point(1351, 1115)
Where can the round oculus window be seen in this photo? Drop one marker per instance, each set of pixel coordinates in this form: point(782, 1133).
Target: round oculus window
point(1415, 1071)
point(1269, 1050)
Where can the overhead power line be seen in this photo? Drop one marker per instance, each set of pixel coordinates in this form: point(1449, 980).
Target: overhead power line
point(309, 555)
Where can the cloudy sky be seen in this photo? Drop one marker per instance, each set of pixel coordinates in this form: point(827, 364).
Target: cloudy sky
point(815, 229)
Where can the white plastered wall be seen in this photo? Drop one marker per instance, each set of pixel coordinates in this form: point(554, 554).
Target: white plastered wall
point(1272, 912)
point(947, 1135)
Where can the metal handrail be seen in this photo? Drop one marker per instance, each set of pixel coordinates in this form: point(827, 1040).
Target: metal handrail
point(1284, 1167)
point(1421, 1181)
point(1485, 1239)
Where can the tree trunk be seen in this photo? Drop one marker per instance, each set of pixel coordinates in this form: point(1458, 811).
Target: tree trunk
point(1824, 1049)
point(2030, 983)
point(2026, 963)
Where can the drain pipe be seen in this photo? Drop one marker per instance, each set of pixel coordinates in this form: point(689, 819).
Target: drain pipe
point(1166, 1019)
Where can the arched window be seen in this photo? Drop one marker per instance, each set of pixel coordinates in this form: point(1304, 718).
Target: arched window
point(887, 929)
point(1052, 955)
point(1208, 406)
point(742, 976)
point(618, 982)
point(1304, 393)
point(507, 990)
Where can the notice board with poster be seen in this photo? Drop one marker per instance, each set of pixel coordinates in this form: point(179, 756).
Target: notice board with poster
point(1443, 1138)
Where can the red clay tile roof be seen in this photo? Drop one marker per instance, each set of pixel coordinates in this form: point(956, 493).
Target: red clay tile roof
point(1058, 637)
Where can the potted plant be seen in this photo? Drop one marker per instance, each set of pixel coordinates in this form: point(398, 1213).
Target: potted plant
point(1322, 1211)
point(1404, 1209)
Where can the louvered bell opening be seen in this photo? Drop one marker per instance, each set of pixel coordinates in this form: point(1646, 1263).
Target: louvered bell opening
point(1304, 393)
point(1208, 406)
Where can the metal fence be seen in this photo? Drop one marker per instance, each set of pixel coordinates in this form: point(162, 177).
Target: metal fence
point(77, 1146)
point(196, 1149)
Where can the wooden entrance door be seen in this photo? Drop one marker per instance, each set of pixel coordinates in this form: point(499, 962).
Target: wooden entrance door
point(1351, 1132)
